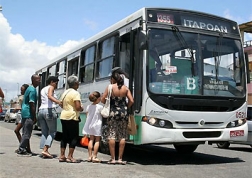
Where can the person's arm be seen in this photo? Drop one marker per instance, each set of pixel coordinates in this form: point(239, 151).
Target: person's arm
point(33, 112)
point(104, 95)
point(130, 98)
point(32, 98)
point(51, 97)
point(78, 106)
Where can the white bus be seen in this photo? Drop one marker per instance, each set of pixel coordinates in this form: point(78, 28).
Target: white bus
point(187, 72)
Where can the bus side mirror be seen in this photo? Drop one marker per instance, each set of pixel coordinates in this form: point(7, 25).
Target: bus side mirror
point(247, 67)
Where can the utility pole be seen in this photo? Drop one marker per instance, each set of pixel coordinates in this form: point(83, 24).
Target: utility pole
point(18, 89)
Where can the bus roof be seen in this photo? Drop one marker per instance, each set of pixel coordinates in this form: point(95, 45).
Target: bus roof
point(132, 17)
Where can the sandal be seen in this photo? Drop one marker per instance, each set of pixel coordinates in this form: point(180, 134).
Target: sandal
point(121, 162)
point(62, 160)
point(112, 161)
point(46, 155)
point(72, 160)
point(89, 159)
point(96, 160)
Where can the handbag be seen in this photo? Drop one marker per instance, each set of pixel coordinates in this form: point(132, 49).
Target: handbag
point(106, 109)
point(132, 129)
point(84, 141)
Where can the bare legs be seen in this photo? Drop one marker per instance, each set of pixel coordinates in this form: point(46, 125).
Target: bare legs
point(112, 150)
point(62, 157)
point(93, 156)
point(121, 148)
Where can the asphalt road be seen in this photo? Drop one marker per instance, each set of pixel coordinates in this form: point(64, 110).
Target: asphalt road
point(149, 161)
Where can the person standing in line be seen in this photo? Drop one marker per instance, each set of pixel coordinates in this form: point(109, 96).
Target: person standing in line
point(28, 113)
point(93, 126)
point(69, 117)
point(118, 117)
point(19, 125)
point(47, 115)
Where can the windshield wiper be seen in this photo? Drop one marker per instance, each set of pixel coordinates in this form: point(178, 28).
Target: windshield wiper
point(184, 44)
point(217, 55)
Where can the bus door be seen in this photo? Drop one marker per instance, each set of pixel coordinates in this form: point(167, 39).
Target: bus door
point(130, 61)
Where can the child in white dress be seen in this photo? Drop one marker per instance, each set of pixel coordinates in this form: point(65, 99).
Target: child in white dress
point(93, 126)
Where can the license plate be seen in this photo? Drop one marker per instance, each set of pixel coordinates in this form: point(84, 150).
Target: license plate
point(236, 133)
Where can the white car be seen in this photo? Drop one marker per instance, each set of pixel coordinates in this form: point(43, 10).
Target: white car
point(11, 115)
point(249, 140)
point(18, 118)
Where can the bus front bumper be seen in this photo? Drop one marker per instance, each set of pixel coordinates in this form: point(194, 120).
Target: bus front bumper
point(151, 134)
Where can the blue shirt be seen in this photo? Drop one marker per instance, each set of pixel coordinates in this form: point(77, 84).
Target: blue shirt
point(30, 95)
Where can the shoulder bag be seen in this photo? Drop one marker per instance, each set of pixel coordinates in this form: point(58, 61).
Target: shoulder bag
point(106, 109)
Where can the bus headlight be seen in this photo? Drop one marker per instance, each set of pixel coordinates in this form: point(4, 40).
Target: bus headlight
point(152, 121)
point(236, 123)
point(162, 123)
point(157, 122)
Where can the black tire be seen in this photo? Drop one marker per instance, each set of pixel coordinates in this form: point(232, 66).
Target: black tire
point(58, 136)
point(185, 149)
point(223, 145)
point(104, 147)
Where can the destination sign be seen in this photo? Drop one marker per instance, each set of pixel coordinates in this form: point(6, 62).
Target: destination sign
point(193, 20)
point(205, 24)
point(216, 85)
point(165, 18)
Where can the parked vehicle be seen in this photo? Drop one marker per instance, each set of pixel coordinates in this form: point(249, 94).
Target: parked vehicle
point(2, 114)
point(18, 118)
point(11, 115)
point(249, 140)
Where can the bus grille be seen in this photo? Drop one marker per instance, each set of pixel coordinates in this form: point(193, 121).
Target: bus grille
point(201, 134)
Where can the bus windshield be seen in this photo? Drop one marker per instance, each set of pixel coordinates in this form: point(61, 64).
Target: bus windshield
point(194, 64)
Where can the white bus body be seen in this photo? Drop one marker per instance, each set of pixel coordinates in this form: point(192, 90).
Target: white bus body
point(193, 92)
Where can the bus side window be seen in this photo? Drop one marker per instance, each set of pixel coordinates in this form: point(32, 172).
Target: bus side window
point(87, 64)
point(105, 57)
point(61, 72)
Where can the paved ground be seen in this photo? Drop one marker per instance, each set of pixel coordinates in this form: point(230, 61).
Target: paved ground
point(12, 165)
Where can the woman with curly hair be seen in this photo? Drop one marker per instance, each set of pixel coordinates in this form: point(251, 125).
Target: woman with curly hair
point(118, 118)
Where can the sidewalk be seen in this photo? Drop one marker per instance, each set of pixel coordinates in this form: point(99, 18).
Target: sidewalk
point(12, 165)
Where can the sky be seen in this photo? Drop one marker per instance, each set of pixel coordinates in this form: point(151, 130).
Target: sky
point(33, 32)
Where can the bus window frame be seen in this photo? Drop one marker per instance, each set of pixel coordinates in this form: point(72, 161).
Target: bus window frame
point(100, 59)
point(61, 74)
point(48, 70)
point(84, 65)
point(70, 66)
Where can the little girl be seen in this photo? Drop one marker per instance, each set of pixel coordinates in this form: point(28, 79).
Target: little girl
point(93, 126)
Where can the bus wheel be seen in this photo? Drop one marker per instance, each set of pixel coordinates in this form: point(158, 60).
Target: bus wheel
point(185, 149)
point(104, 147)
point(223, 145)
point(58, 136)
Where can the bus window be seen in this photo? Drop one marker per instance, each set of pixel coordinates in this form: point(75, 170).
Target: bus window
point(87, 65)
point(73, 67)
point(105, 58)
point(61, 73)
point(51, 71)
